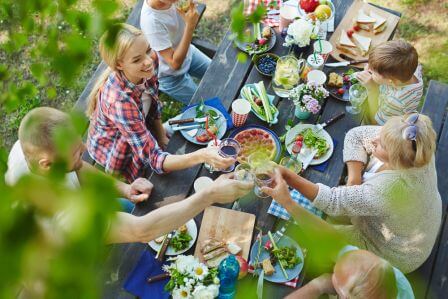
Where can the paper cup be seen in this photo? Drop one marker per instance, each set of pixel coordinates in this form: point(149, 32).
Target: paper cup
point(201, 183)
point(287, 16)
point(240, 111)
point(326, 49)
point(317, 76)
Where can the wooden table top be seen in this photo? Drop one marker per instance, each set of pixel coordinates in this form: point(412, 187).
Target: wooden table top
point(224, 79)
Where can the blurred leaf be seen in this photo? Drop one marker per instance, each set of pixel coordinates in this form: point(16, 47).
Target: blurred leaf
point(258, 15)
point(241, 57)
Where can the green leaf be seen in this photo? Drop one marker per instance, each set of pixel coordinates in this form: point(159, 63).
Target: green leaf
point(241, 57)
point(258, 15)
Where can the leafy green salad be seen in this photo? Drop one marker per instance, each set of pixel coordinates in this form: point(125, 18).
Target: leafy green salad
point(286, 256)
point(312, 140)
point(180, 241)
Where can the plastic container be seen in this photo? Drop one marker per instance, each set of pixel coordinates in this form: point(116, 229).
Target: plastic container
point(229, 270)
point(313, 62)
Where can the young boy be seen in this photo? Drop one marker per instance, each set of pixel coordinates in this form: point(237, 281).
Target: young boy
point(393, 79)
point(169, 31)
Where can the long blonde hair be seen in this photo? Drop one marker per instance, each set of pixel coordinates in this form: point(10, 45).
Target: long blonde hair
point(113, 45)
point(400, 151)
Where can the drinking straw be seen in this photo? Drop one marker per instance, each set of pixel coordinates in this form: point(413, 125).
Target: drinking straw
point(320, 44)
point(315, 58)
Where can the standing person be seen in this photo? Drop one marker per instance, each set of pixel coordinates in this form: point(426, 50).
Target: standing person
point(169, 31)
point(393, 79)
point(123, 105)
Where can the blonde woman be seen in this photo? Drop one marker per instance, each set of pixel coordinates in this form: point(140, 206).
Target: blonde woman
point(124, 106)
point(391, 196)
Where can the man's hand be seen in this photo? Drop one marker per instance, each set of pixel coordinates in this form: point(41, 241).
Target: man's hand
point(191, 16)
point(211, 156)
point(226, 190)
point(280, 191)
point(365, 78)
point(139, 190)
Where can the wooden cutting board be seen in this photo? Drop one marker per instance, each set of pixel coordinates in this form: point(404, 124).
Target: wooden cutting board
point(227, 225)
point(347, 23)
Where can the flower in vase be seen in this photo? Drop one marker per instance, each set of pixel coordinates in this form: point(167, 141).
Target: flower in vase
point(181, 293)
point(300, 33)
point(206, 292)
point(185, 263)
point(313, 106)
point(200, 271)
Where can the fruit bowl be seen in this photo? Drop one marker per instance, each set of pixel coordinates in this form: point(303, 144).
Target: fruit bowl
point(303, 13)
point(265, 63)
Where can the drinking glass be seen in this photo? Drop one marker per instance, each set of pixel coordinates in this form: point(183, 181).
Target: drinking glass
point(263, 178)
point(229, 148)
point(292, 164)
point(287, 75)
point(183, 5)
point(357, 96)
point(242, 173)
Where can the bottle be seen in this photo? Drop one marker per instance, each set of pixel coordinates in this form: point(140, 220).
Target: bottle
point(228, 269)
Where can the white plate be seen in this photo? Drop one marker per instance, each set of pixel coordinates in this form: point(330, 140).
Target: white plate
point(192, 230)
point(299, 128)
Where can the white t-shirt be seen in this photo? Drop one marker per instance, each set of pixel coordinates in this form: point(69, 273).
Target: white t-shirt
point(163, 30)
point(17, 167)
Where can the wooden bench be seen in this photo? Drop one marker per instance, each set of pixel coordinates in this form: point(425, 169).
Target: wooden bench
point(430, 280)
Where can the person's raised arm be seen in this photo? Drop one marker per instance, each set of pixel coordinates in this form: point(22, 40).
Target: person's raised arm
point(175, 57)
point(129, 228)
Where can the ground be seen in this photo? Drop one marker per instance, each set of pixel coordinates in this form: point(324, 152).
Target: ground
point(423, 24)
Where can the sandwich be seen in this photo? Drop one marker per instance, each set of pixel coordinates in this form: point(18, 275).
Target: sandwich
point(182, 229)
point(345, 41)
point(233, 248)
point(364, 21)
point(362, 42)
point(214, 251)
point(267, 267)
point(380, 24)
point(335, 80)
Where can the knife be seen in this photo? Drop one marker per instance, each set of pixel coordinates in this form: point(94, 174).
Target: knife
point(161, 253)
point(157, 277)
point(186, 127)
point(345, 63)
point(320, 127)
point(187, 120)
point(307, 160)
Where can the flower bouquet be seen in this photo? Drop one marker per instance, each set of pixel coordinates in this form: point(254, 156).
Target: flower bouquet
point(191, 279)
point(308, 98)
point(301, 32)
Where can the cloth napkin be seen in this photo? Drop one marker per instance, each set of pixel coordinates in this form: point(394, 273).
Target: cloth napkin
point(322, 167)
point(292, 283)
point(278, 211)
point(216, 103)
point(273, 15)
point(136, 283)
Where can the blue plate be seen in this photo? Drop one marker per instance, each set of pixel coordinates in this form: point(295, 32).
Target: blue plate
point(278, 144)
point(221, 123)
point(271, 100)
point(278, 276)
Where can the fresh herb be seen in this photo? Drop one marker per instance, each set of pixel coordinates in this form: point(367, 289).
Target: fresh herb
point(181, 241)
point(287, 256)
point(312, 140)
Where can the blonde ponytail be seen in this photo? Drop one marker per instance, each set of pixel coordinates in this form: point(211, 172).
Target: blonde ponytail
point(113, 45)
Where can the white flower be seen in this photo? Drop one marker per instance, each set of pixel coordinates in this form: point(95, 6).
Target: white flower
point(216, 280)
point(185, 264)
point(203, 292)
point(200, 271)
point(181, 293)
point(300, 32)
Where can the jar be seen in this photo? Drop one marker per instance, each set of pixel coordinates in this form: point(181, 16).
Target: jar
point(313, 62)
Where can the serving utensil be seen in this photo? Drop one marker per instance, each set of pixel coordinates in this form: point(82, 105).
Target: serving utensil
point(346, 63)
point(161, 253)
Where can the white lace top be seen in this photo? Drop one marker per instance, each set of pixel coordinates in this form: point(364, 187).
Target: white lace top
point(395, 213)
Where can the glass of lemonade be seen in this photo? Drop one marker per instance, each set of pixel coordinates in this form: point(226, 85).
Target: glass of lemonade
point(183, 5)
point(357, 96)
point(287, 75)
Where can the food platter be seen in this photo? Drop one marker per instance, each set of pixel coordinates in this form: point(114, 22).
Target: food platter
point(274, 109)
point(192, 231)
point(278, 276)
point(347, 82)
point(271, 43)
point(253, 138)
point(221, 124)
point(295, 131)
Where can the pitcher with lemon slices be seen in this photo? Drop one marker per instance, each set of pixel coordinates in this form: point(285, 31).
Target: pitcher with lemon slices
point(287, 75)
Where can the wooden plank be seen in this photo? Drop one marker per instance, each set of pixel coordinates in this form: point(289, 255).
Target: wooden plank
point(205, 47)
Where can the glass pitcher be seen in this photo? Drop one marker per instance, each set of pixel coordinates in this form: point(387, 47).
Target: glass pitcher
point(287, 75)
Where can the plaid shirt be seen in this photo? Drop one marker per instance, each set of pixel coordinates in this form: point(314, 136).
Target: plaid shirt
point(271, 20)
point(278, 211)
point(119, 138)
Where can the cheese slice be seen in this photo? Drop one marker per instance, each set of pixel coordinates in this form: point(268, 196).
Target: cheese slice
point(345, 40)
point(379, 20)
point(362, 42)
point(364, 18)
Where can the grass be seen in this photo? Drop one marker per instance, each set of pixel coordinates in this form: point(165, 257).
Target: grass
point(423, 24)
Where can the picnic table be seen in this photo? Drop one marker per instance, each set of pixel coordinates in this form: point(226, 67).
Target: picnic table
point(224, 79)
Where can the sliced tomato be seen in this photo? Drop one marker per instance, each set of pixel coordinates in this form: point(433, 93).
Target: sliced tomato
point(299, 137)
point(296, 149)
point(203, 137)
